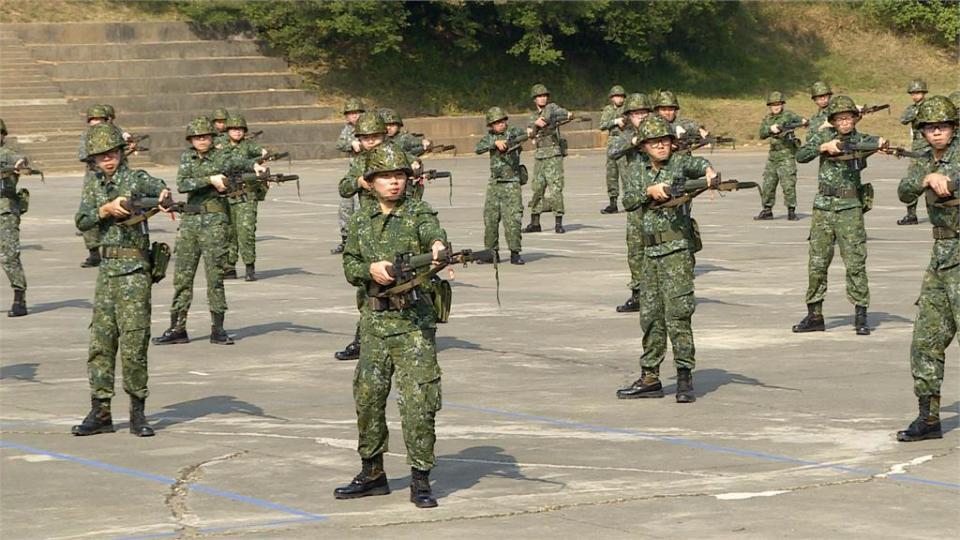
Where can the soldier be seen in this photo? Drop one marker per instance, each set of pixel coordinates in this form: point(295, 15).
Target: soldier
point(121, 311)
point(550, 149)
point(669, 239)
point(955, 98)
point(348, 144)
point(11, 208)
point(667, 106)
point(837, 215)
point(414, 145)
point(626, 150)
point(96, 114)
point(504, 200)
point(242, 229)
point(781, 165)
point(938, 316)
point(611, 121)
point(401, 341)
point(202, 233)
point(917, 91)
point(821, 94)
point(220, 138)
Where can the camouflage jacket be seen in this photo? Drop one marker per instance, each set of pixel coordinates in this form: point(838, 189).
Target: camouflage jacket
point(909, 118)
point(684, 128)
point(346, 138)
point(193, 176)
point(677, 169)
point(125, 182)
point(504, 166)
point(348, 184)
point(411, 227)
point(817, 122)
point(834, 174)
point(8, 184)
point(946, 252)
point(546, 141)
point(410, 143)
point(780, 146)
point(242, 156)
point(608, 116)
point(622, 145)
point(221, 139)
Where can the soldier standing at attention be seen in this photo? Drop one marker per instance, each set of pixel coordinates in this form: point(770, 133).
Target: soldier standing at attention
point(348, 144)
point(837, 215)
point(550, 148)
point(220, 138)
point(821, 94)
point(669, 238)
point(399, 341)
point(781, 165)
point(667, 106)
point(917, 91)
point(11, 208)
point(121, 311)
point(628, 153)
point(611, 121)
point(242, 230)
point(503, 201)
point(96, 114)
point(938, 315)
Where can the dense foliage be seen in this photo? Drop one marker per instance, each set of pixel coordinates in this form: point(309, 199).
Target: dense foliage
point(938, 21)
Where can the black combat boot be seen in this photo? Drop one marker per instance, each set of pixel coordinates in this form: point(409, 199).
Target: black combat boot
point(610, 208)
point(647, 386)
point(177, 333)
point(420, 493)
point(534, 225)
point(230, 272)
point(352, 350)
point(98, 420)
point(251, 273)
point(632, 305)
point(372, 480)
point(860, 321)
point(765, 214)
point(792, 214)
point(515, 258)
point(910, 218)
point(685, 386)
point(138, 422)
point(813, 322)
point(92, 260)
point(558, 225)
point(927, 424)
point(340, 247)
point(19, 307)
point(219, 336)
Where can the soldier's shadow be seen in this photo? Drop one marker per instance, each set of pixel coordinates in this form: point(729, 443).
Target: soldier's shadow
point(185, 411)
point(706, 381)
point(703, 300)
point(578, 226)
point(446, 342)
point(20, 372)
point(533, 257)
point(953, 422)
point(280, 326)
point(79, 303)
point(31, 247)
point(875, 319)
point(706, 268)
point(277, 272)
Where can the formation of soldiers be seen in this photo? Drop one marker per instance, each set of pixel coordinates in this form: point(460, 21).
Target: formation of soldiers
point(393, 245)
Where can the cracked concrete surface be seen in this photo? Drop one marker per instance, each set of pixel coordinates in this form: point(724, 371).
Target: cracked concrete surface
point(791, 436)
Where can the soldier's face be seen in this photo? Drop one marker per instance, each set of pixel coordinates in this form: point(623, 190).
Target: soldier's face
point(822, 101)
point(352, 116)
point(392, 129)
point(939, 134)
point(658, 149)
point(390, 186)
point(499, 126)
point(667, 113)
point(220, 125)
point(637, 116)
point(95, 121)
point(844, 122)
point(201, 143)
point(369, 142)
point(541, 100)
point(108, 161)
point(618, 100)
point(776, 108)
point(917, 97)
point(236, 134)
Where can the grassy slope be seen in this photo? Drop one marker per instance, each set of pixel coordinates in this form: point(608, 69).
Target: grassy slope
point(84, 11)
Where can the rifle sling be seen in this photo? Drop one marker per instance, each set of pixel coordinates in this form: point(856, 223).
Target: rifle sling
point(413, 283)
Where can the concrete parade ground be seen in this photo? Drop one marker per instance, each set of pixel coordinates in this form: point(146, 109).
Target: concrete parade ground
point(792, 436)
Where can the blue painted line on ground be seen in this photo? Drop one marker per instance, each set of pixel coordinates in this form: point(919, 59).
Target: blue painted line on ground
point(690, 443)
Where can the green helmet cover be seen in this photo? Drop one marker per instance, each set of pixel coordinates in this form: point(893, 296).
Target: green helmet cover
point(390, 116)
point(667, 99)
point(653, 127)
point(236, 121)
point(103, 138)
point(820, 88)
point(220, 113)
point(97, 111)
point(538, 90)
point(917, 85)
point(200, 125)
point(386, 158)
point(353, 105)
point(937, 109)
point(637, 102)
point(775, 97)
point(955, 98)
point(370, 123)
point(842, 104)
point(495, 114)
point(617, 90)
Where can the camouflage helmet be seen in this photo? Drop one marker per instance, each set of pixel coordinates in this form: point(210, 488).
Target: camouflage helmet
point(353, 105)
point(937, 109)
point(820, 88)
point(370, 123)
point(666, 98)
point(386, 158)
point(617, 90)
point(111, 112)
point(775, 97)
point(538, 90)
point(3, 127)
point(495, 114)
point(390, 116)
point(97, 111)
point(103, 138)
point(200, 125)
point(653, 127)
point(917, 85)
point(220, 113)
point(637, 102)
point(236, 121)
point(842, 104)
point(955, 98)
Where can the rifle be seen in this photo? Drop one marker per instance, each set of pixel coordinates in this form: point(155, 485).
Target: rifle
point(430, 176)
point(142, 208)
point(683, 192)
point(857, 152)
point(874, 108)
point(787, 128)
point(253, 135)
point(237, 184)
point(516, 143)
point(8, 170)
point(694, 142)
point(135, 140)
point(944, 202)
point(272, 156)
point(440, 148)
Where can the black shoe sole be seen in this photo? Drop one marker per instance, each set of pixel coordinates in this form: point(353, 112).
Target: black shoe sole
point(142, 434)
point(797, 330)
point(902, 436)
point(689, 398)
point(645, 395)
point(217, 342)
point(622, 309)
point(104, 429)
point(173, 342)
point(863, 331)
point(372, 492)
point(424, 504)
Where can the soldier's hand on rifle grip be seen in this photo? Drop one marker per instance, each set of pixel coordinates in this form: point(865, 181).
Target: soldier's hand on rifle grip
point(217, 181)
point(426, 144)
point(713, 178)
point(21, 163)
point(883, 143)
point(775, 129)
point(164, 198)
point(831, 147)
point(436, 248)
point(361, 183)
point(114, 208)
point(382, 272)
point(260, 169)
point(501, 145)
point(619, 122)
point(659, 192)
point(540, 122)
point(939, 183)
point(704, 133)
point(806, 122)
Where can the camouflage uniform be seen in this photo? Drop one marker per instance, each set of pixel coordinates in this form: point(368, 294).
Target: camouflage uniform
point(242, 230)
point(918, 144)
point(504, 200)
point(220, 139)
point(608, 117)
point(548, 179)
point(347, 204)
point(10, 222)
point(818, 120)
point(91, 238)
point(781, 167)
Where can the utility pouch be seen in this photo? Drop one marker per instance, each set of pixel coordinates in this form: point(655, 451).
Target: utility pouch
point(866, 197)
point(23, 200)
point(159, 260)
point(442, 299)
point(696, 244)
point(563, 147)
point(524, 175)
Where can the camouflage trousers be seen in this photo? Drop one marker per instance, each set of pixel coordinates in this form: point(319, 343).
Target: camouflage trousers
point(344, 212)
point(783, 172)
point(242, 232)
point(634, 250)
point(503, 203)
point(10, 251)
point(614, 172)
point(547, 186)
point(91, 238)
point(200, 235)
point(938, 320)
point(413, 358)
point(845, 229)
point(121, 323)
point(666, 309)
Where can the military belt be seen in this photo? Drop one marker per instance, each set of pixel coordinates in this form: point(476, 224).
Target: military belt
point(945, 233)
point(650, 240)
point(840, 193)
point(214, 206)
point(117, 252)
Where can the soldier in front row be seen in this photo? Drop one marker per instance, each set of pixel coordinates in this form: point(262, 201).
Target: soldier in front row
point(918, 91)
point(612, 121)
point(937, 177)
point(395, 340)
point(781, 165)
point(13, 204)
point(550, 149)
point(504, 199)
point(121, 310)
